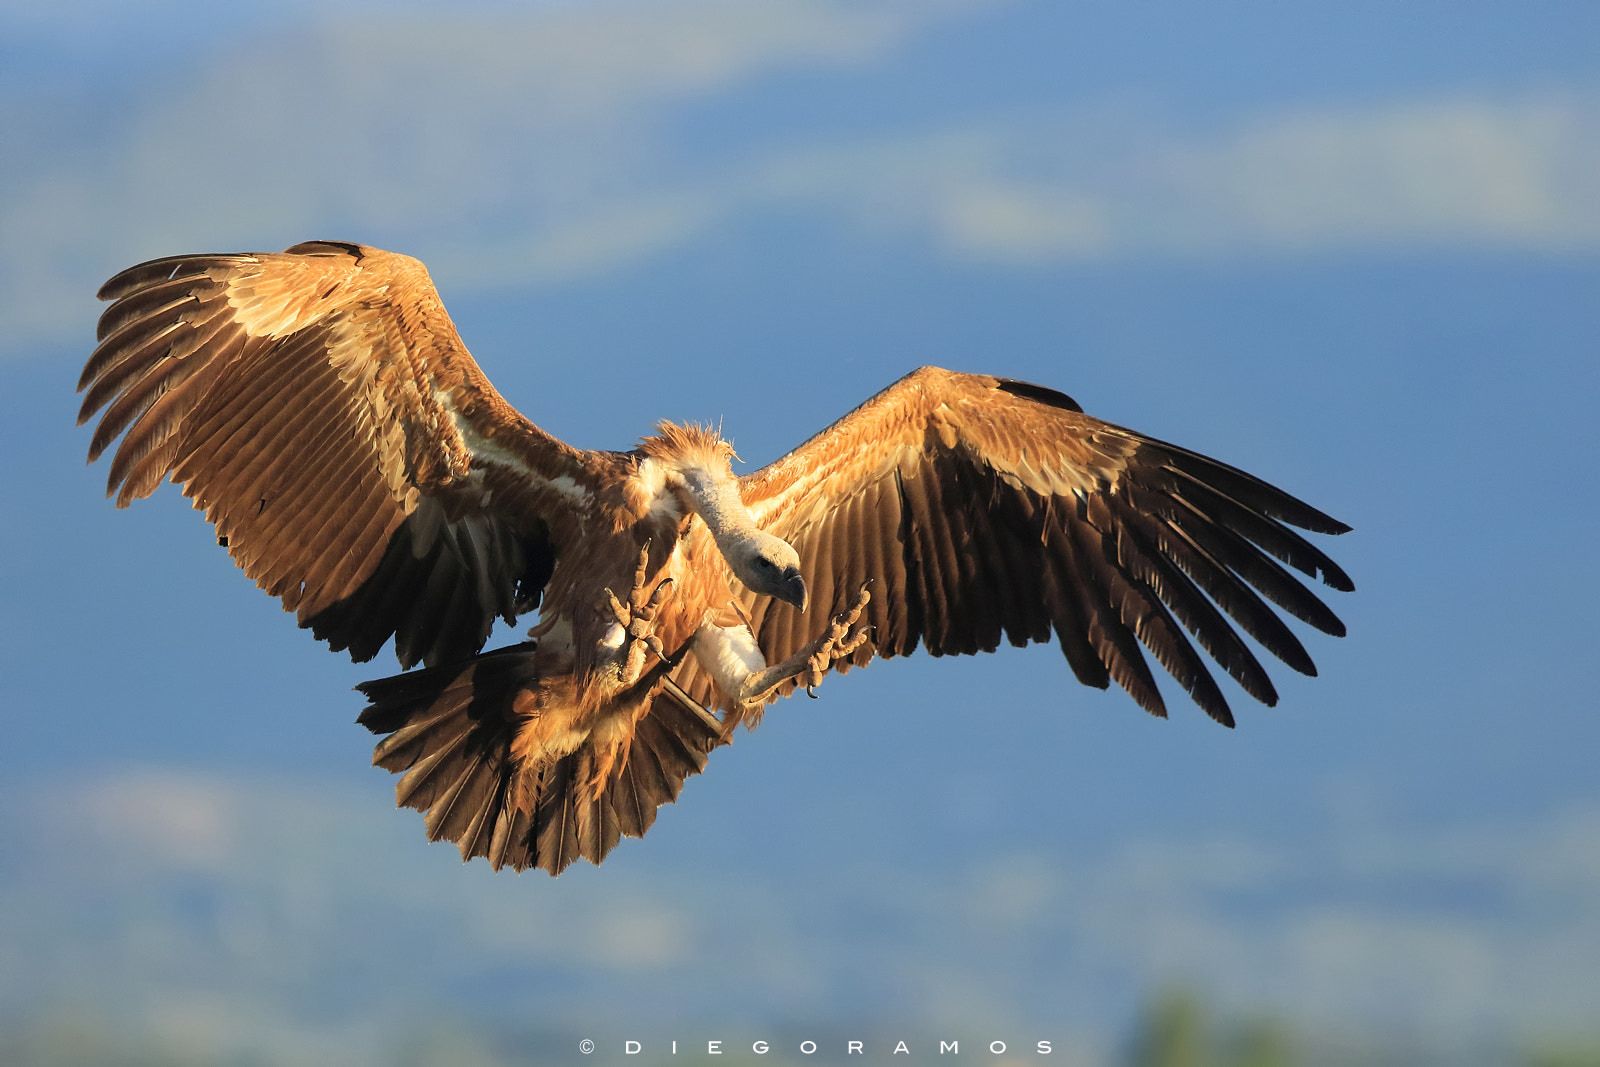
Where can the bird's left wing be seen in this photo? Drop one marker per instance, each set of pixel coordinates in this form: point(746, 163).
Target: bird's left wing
point(319, 406)
point(979, 507)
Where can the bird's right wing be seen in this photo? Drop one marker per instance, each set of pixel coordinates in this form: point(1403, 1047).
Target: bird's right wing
point(319, 406)
point(979, 507)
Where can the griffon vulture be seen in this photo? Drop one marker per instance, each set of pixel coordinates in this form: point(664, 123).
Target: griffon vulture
point(320, 407)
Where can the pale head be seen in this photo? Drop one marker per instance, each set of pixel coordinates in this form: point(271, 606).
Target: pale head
point(766, 565)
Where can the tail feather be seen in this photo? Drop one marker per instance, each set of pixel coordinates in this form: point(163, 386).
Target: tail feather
point(461, 807)
point(513, 826)
point(448, 735)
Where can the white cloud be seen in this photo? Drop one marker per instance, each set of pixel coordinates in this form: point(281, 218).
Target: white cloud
point(1096, 184)
point(166, 819)
point(175, 898)
point(1071, 186)
point(1447, 933)
point(510, 146)
point(534, 129)
point(1451, 171)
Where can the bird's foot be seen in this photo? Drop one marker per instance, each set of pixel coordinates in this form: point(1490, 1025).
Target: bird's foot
point(807, 666)
point(637, 616)
point(836, 642)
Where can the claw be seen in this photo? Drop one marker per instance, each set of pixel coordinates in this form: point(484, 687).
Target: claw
point(837, 643)
point(622, 614)
point(662, 588)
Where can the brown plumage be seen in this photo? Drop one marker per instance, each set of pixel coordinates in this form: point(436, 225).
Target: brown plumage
point(320, 407)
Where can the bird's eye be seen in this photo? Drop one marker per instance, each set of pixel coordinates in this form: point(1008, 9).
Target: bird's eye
point(763, 561)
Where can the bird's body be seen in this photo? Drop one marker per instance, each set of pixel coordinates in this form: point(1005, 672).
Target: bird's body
point(320, 407)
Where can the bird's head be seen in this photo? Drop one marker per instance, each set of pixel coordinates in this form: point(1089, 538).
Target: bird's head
point(769, 566)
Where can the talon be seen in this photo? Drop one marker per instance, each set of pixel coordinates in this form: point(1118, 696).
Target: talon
point(662, 589)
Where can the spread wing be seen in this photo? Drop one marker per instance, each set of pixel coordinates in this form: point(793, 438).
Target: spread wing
point(979, 507)
point(320, 407)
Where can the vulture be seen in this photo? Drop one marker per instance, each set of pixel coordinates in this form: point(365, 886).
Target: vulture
point(321, 409)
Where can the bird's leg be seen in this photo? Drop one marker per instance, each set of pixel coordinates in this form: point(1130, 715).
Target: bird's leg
point(614, 720)
point(808, 665)
point(637, 618)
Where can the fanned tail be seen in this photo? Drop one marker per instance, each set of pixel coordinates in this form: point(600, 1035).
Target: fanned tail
point(449, 733)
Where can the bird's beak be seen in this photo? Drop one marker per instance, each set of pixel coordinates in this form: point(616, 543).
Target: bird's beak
point(794, 589)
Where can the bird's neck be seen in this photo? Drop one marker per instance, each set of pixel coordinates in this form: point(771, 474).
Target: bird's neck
point(714, 496)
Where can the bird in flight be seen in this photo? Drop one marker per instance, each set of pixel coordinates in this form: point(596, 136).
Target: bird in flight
point(321, 409)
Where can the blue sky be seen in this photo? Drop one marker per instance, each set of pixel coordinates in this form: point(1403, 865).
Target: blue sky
point(1353, 249)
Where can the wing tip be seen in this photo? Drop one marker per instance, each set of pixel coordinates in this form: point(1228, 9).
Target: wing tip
point(1334, 577)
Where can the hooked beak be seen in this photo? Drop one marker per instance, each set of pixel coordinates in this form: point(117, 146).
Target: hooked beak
point(794, 589)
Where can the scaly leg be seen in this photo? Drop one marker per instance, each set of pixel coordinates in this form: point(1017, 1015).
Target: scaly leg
point(637, 618)
point(808, 665)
